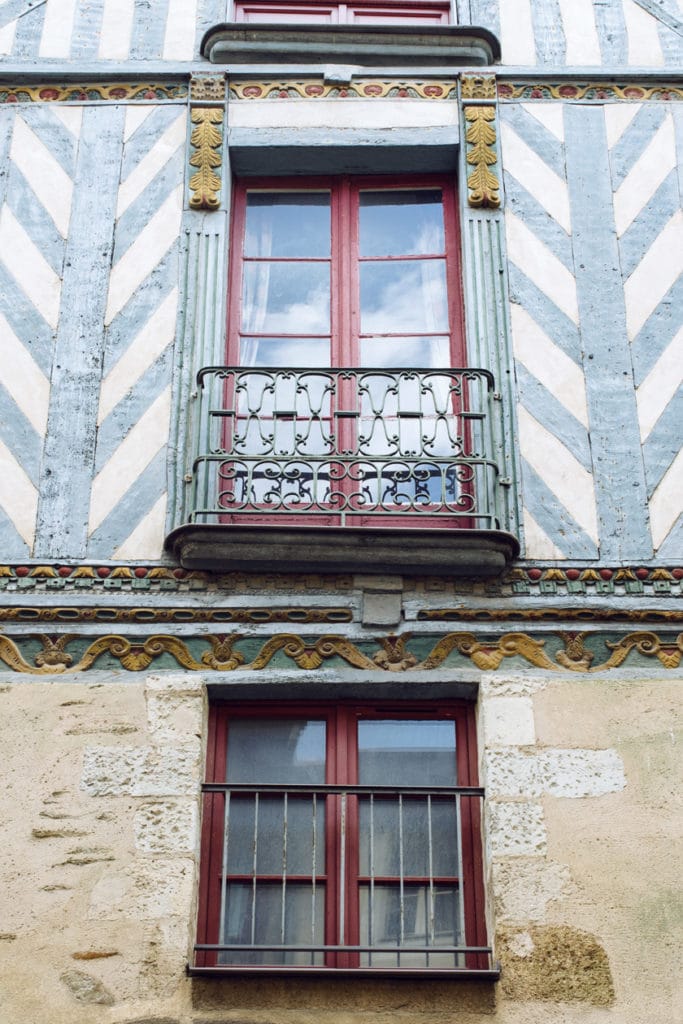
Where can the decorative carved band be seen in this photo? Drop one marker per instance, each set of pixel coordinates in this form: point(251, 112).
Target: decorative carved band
point(571, 654)
point(567, 91)
point(88, 92)
point(260, 616)
point(359, 88)
point(122, 582)
point(649, 615)
point(152, 616)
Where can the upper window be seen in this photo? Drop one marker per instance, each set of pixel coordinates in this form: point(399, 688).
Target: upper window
point(345, 401)
point(345, 272)
point(408, 12)
point(341, 837)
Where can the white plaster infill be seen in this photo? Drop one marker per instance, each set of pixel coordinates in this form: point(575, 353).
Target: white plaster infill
point(335, 113)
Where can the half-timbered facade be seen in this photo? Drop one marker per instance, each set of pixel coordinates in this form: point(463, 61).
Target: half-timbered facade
point(341, 544)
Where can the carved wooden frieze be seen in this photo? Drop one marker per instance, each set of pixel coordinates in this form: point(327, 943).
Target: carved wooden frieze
point(207, 113)
point(478, 93)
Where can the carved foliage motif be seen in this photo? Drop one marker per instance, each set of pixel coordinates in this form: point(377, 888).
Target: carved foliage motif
point(89, 92)
point(486, 655)
point(567, 91)
point(483, 185)
point(363, 88)
point(478, 87)
point(206, 140)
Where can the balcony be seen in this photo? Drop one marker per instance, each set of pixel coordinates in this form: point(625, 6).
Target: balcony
point(371, 470)
point(338, 878)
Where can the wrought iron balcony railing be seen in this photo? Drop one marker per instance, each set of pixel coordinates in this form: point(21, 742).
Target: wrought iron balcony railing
point(359, 446)
point(330, 877)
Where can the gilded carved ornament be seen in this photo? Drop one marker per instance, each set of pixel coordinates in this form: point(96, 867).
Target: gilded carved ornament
point(483, 186)
point(309, 655)
point(207, 106)
point(357, 88)
point(478, 87)
point(206, 140)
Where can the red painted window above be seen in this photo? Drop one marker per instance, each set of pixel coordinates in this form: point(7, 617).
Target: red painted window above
point(342, 837)
point(395, 13)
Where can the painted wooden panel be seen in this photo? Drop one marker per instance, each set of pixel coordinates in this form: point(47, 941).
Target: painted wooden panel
point(580, 33)
point(128, 498)
point(649, 228)
point(559, 502)
point(38, 157)
point(595, 249)
point(90, 212)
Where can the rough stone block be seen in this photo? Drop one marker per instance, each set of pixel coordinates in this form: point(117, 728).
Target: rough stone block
point(522, 889)
point(175, 708)
point(494, 685)
point(141, 771)
point(509, 721)
point(511, 773)
point(177, 683)
point(516, 830)
point(167, 827)
point(561, 964)
point(381, 609)
point(147, 890)
point(86, 989)
point(565, 773)
point(580, 773)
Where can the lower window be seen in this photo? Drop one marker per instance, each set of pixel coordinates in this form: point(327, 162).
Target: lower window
point(344, 837)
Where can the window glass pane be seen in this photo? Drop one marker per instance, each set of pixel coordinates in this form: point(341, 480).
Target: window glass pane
point(282, 750)
point(407, 752)
point(408, 352)
point(414, 836)
point(401, 223)
point(287, 224)
point(267, 914)
point(286, 298)
point(420, 915)
point(271, 836)
point(285, 352)
point(383, 16)
point(406, 296)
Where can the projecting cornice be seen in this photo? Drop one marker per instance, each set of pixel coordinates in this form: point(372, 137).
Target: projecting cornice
point(434, 46)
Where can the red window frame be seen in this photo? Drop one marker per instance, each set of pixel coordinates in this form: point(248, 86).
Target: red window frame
point(345, 258)
point(341, 769)
point(344, 330)
point(371, 12)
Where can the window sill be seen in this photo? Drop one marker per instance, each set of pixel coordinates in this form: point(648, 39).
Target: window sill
point(409, 551)
point(425, 973)
point(435, 46)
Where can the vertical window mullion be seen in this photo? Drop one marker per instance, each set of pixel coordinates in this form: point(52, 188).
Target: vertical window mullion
point(461, 888)
point(283, 911)
point(224, 869)
point(314, 839)
point(400, 878)
point(253, 873)
point(371, 899)
point(430, 840)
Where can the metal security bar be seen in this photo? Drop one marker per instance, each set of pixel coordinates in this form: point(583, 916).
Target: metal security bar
point(359, 877)
point(350, 444)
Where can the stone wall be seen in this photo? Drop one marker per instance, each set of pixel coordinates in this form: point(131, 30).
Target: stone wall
point(102, 803)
